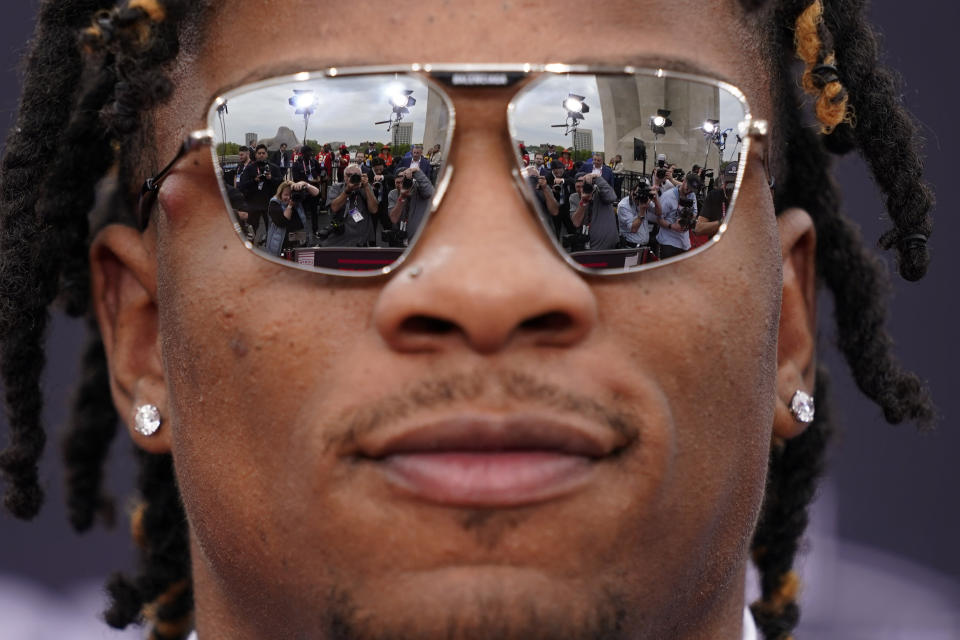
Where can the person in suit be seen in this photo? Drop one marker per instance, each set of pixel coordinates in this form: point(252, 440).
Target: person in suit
point(415, 159)
point(595, 166)
point(281, 157)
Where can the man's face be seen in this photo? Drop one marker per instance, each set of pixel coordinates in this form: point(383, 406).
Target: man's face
point(415, 153)
point(378, 169)
point(295, 524)
point(283, 147)
point(558, 173)
point(538, 160)
point(261, 154)
point(597, 161)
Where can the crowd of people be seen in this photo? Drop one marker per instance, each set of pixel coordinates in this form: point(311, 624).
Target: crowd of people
point(667, 212)
point(301, 197)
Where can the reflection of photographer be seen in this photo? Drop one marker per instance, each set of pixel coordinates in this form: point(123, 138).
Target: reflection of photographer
point(288, 225)
point(382, 180)
point(409, 203)
point(258, 182)
point(542, 190)
point(352, 205)
point(678, 215)
point(307, 169)
point(562, 188)
point(633, 211)
point(594, 213)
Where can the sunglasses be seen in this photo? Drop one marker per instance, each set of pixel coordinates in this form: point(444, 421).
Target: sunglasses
point(312, 215)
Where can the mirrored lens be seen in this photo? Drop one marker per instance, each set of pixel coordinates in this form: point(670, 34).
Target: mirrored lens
point(336, 173)
point(628, 171)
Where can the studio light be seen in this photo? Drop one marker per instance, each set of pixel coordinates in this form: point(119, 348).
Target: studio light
point(575, 107)
point(660, 122)
point(710, 126)
point(400, 101)
point(303, 100)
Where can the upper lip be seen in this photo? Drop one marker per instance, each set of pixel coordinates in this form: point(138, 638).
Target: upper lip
point(489, 433)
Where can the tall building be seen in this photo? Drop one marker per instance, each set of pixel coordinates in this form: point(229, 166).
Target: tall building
point(402, 134)
point(583, 140)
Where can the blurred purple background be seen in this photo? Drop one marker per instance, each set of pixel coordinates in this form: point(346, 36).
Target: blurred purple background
point(891, 497)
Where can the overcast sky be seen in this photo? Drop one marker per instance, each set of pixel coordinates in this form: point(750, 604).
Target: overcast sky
point(347, 108)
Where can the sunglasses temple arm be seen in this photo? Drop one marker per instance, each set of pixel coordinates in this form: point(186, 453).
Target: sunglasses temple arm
point(196, 140)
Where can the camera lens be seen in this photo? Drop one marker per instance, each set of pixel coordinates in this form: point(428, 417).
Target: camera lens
point(355, 178)
point(407, 183)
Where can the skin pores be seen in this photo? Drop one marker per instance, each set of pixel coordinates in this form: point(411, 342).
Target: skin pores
point(268, 369)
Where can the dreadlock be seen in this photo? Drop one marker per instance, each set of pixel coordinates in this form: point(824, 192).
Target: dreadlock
point(94, 96)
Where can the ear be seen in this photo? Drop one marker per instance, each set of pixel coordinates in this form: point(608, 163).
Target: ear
point(796, 346)
point(124, 288)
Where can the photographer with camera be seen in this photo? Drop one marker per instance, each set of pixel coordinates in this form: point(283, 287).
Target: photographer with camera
point(634, 210)
point(383, 181)
point(353, 206)
point(542, 190)
point(408, 204)
point(258, 182)
point(594, 212)
point(562, 187)
point(678, 216)
point(287, 223)
point(307, 169)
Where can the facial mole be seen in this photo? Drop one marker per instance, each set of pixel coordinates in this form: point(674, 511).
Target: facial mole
point(238, 346)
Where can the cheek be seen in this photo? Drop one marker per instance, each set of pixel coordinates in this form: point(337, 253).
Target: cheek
point(705, 333)
point(232, 326)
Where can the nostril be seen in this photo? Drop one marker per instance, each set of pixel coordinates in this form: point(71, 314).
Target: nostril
point(426, 325)
point(552, 322)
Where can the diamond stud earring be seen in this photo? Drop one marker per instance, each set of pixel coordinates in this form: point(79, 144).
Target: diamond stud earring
point(801, 406)
point(147, 419)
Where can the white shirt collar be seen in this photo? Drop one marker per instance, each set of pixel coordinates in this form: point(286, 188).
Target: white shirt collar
point(749, 627)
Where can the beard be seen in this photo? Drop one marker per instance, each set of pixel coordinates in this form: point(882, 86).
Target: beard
point(487, 618)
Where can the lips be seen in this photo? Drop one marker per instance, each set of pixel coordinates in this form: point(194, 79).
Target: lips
point(490, 461)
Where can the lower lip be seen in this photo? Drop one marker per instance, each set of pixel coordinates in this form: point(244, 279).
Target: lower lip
point(489, 479)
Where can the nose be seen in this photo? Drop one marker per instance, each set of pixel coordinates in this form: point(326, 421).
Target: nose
point(484, 275)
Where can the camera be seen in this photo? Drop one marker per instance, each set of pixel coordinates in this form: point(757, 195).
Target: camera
point(642, 191)
point(407, 182)
point(355, 178)
point(297, 195)
point(678, 173)
point(687, 219)
point(335, 228)
point(587, 187)
point(708, 173)
point(394, 237)
point(574, 242)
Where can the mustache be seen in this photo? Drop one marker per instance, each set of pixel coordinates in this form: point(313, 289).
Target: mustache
point(493, 388)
